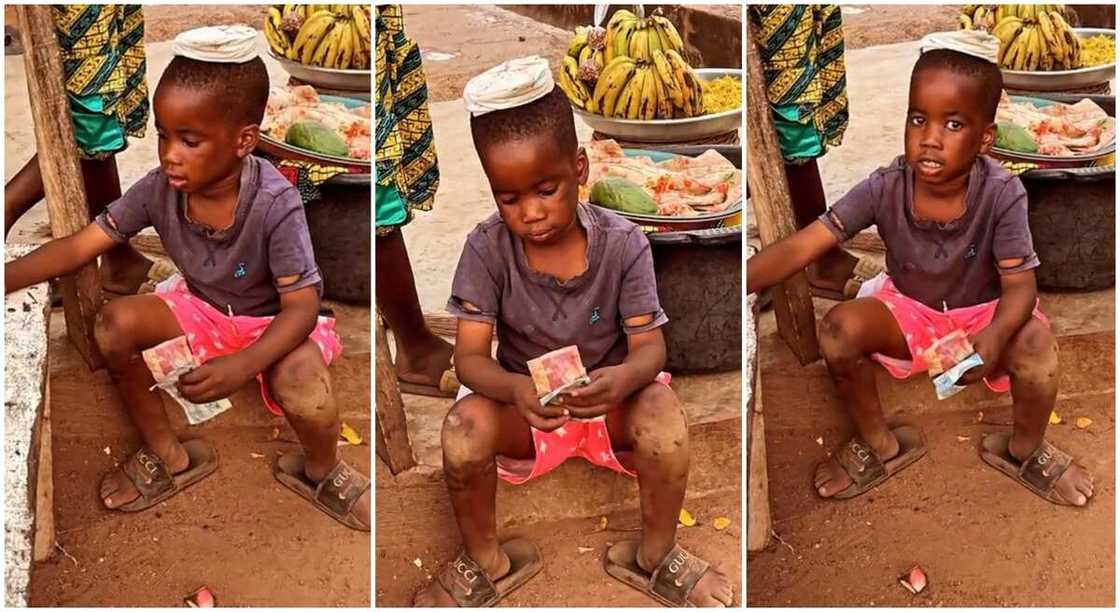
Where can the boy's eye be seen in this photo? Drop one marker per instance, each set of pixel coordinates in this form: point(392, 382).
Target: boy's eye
point(547, 191)
point(507, 200)
point(917, 121)
point(953, 124)
point(190, 143)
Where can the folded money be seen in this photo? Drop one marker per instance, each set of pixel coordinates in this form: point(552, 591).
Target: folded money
point(947, 351)
point(169, 361)
point(946, 384)
point(556, 372)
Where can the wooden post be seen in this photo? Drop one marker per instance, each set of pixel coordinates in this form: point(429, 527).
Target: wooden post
point(391, 428)
point(793, 304)
point(60, 168)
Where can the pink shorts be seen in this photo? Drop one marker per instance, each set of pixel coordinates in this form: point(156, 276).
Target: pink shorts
point(212, 333)
point(923, 325)
point(587, 439)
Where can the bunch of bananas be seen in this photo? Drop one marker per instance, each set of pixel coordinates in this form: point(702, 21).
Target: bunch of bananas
point(329, 35)
point(1031, 36)
point(633, 69)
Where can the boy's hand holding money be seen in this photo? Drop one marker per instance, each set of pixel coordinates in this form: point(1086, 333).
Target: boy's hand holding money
point(220, 377)
point(989, 346)
point(528, 403)
point(605, 392)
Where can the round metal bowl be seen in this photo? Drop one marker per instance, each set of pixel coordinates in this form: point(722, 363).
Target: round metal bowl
point(671, 130)
point(286, 151)
point(1078, 159)
point(328, 78)
point(723, 219)
point(1063, 80)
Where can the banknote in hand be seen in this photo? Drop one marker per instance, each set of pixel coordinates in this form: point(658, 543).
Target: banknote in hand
point(170, 360)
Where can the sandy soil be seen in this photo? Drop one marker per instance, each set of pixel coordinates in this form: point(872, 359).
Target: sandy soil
point(572, 549)
point(164, 22)
point(982, 539)
point(867, 26)
point(240, 532)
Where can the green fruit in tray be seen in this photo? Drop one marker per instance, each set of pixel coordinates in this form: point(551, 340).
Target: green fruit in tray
point(1014, 138)
point(316, 137)
point(622, 195)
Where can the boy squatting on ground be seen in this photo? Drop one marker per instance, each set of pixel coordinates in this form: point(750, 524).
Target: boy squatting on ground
point(550, 271)
point(959, 256)
point(248, 299)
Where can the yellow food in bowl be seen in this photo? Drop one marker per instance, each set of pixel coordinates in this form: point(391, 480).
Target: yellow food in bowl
point(722, 94)
point(1097, 50)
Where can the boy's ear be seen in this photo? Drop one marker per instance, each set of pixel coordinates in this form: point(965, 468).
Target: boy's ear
point(583, 165)
point(248, 139)
point(988, 138)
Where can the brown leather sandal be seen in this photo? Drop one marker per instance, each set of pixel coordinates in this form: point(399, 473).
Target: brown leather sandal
point(670, 584)
point(470, 587)
point(335, 495)
point(1039, 473)
point(155, 483)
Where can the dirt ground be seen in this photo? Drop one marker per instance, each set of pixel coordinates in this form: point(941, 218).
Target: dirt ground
point(424, 530)
point(867, 26)
point(239, 532)
point(982, 539)
point(164, 22)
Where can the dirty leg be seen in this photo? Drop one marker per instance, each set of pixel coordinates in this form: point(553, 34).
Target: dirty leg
point(1031, 358)
point(850, 333)
point(475, 431)
point(653, 424)
point(123, 328)
point(301, 384)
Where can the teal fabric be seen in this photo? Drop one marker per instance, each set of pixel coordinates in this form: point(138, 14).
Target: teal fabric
point(797, 140)
point(97, 133)
point(390, 209)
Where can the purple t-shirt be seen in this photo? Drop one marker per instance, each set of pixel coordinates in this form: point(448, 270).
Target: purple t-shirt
point(950, 265)
point(233, 269)
point(535, 313)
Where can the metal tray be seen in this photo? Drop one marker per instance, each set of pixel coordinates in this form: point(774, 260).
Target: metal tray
point(1079, 158)
point(282, 149)
point(671, 130)
point(697, 222)
point(1062, 80)
point(329, 78)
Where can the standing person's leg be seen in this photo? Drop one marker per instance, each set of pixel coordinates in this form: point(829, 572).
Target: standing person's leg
point(832, 271)
point(421, 356)
point(123, 269)
point(652, 424)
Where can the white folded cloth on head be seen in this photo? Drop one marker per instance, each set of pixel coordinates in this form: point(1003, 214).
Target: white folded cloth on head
point(976, 43)
point(231, 44)
point(509, 85)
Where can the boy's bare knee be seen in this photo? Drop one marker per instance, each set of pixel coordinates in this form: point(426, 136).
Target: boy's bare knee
point(1033, 352)
point(468, 435)
point(658, 421)
point(113, 332)
point(302, 385)
point(840, 335)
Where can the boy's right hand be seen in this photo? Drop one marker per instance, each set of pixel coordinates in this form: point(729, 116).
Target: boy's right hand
point(544, 418)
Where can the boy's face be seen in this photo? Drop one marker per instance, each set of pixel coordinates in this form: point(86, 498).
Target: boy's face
point(535, 185)
point(199, 145)
point(945, 126)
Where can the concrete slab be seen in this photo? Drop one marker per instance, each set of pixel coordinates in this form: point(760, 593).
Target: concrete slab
point(25, 395)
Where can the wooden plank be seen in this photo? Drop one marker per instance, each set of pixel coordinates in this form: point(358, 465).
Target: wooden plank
point(60, 168)
point(758, 481)
point(44, 484)
point(391, 428)
point(793, 304)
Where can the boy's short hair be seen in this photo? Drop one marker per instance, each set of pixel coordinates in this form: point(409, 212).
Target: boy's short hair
point(984, 72)
point(242, 88)
point(549, 116)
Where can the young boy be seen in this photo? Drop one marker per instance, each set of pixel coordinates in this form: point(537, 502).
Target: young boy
point(549, 272)
point(959, 256)
point(248, 301)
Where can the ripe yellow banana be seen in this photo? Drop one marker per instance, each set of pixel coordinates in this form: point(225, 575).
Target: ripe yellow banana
point(571, 68)
point(328, 45)
point(361, 22)
point(310, 35)
point(964, 22)
point(649, 94)
point(611, 82)
point(636, 86)
point(670, 31)
point(665, 76)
